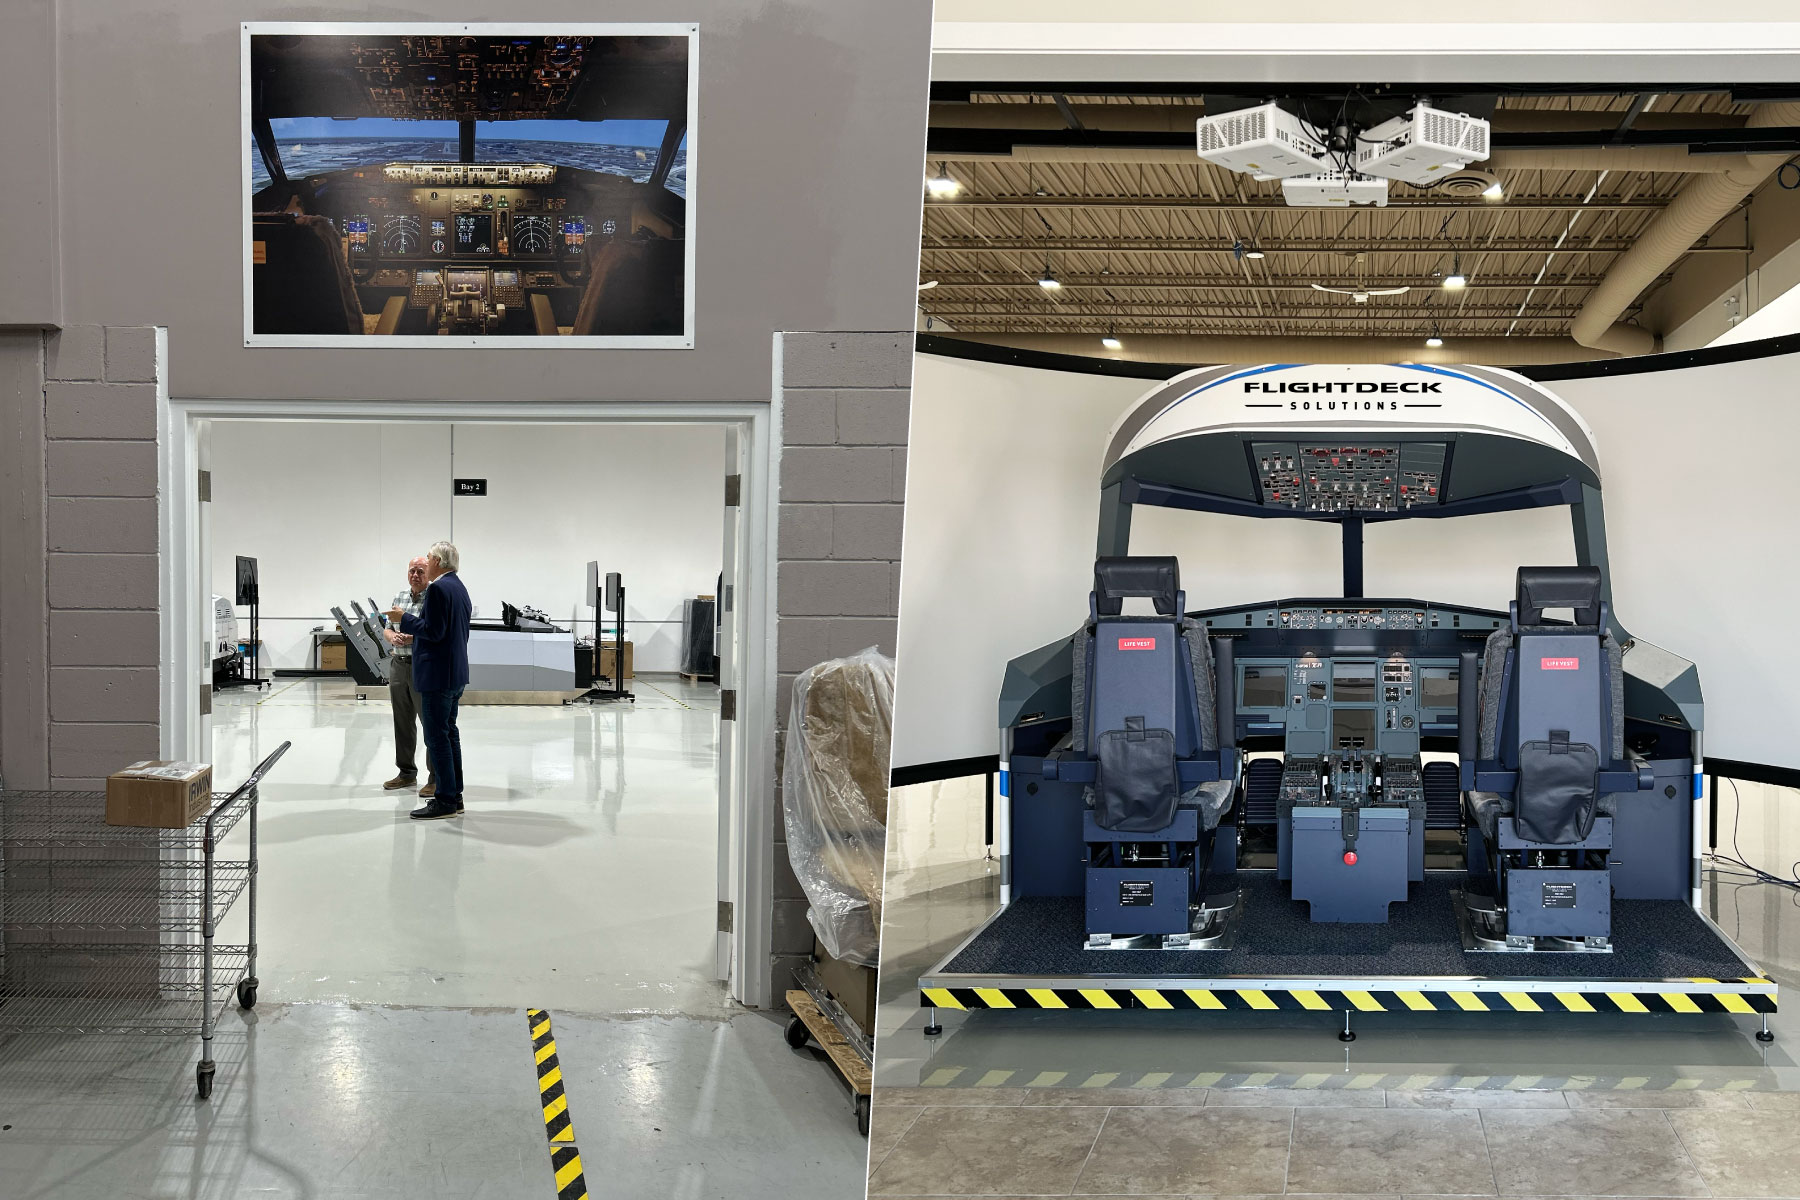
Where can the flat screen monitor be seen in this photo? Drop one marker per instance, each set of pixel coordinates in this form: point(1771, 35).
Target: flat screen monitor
point(1352, 729)
point(1353, 682)
point(613, 587)
point(593, 586)
point(246, 580)
point(1437, 687)
point(1263, 687)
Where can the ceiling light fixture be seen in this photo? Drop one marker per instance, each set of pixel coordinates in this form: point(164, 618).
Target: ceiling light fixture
point(1253, 252)
point(1494, 191)
point(942, 185)
point(1434, 341)
point(1048, 280)
point(1112, 342)
point(1456, 279)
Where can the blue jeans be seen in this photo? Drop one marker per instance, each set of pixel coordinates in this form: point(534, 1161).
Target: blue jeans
point(443, 741)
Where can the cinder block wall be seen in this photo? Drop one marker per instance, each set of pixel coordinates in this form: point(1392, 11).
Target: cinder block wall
point(79, 627)
point(845, 403)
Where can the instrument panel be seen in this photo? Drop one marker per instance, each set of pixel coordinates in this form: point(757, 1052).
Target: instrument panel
point(1381, 477)
point(1330, 676)
point(429, 223)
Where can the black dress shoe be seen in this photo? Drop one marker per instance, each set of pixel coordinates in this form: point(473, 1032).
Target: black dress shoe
point(437, 810)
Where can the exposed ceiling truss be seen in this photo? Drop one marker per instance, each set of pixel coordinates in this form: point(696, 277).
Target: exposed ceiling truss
point(1104, 192)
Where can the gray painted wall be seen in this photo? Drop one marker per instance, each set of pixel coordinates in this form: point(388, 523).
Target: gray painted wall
point(845, 403)
point(78, 530)
point(809, 147)
point(805, 213)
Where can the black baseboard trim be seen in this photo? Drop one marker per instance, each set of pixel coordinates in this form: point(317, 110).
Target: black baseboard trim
point(950, 768)
point(307, 673)
point(1750, 772)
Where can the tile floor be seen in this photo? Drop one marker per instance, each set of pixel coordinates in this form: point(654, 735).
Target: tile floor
point(1114, 1104)
point(1168, 1142)
point(388, 1055)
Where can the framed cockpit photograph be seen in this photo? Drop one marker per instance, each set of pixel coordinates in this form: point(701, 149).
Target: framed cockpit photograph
point(500, 184)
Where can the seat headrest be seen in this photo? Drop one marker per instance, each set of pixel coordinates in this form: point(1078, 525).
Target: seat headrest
point(1157, 577)
point(1576, 588)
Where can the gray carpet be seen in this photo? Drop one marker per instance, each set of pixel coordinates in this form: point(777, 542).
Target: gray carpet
point(1653, 939)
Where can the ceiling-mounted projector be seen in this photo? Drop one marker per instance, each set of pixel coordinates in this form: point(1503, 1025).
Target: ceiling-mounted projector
point(1425, 145)
point(1344, 166)
point(1334, 189)
point(1266, 140)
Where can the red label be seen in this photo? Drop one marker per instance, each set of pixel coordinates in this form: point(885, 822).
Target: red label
point(1560, 664)
point(1137, 643)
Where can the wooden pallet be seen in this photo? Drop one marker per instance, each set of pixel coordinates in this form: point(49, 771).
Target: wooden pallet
point(837, 1047)
point(695, 678)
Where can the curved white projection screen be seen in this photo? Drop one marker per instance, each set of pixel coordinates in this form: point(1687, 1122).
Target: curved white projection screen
point(1002, 496)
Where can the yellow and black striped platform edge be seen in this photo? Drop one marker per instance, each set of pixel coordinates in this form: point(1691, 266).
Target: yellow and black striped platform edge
point(1673, 999)
point(565, 1159)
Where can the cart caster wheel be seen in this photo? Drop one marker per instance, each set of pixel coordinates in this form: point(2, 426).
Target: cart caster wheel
point(862, 1115)
point(203, 1079)
point(796, 1032)
point(246, 993)
point(1763, 1035)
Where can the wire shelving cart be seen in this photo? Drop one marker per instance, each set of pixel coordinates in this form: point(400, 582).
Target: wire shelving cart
point(111, 929)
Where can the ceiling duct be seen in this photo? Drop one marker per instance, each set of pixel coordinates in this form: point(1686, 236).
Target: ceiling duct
point(1700, 205)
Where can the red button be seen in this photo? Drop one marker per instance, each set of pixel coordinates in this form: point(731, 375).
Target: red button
point(1349, 858)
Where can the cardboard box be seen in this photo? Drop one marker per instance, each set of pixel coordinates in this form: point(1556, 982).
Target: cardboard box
point(159, 795)
point(606, 660)
point(851, 986)
point(331, 657)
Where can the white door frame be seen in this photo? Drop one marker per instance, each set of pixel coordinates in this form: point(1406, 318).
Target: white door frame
point(186, 602)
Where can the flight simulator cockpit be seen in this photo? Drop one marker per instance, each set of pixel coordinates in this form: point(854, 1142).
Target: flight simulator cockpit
point(479, 185)
point(1313, 802)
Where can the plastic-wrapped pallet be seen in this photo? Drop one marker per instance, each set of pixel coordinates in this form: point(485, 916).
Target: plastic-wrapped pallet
point(834, 797)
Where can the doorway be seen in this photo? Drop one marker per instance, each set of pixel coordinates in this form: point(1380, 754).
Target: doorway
point(658, 780)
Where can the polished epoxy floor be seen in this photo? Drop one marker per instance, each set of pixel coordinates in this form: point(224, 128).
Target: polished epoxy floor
point(389, 1054)
point(1143, 1103)
point(583, 875)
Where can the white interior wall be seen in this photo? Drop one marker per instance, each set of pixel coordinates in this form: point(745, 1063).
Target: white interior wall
point(1003, 499)
point(333, 511)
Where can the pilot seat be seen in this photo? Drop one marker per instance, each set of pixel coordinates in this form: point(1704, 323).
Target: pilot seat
point(1145, 723)
point(1542, 785)
point(302, 283)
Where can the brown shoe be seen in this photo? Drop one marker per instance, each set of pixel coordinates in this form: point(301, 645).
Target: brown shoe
point(428, 791)
point(400, 781)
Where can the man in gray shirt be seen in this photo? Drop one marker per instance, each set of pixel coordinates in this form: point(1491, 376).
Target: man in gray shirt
point(401, 692)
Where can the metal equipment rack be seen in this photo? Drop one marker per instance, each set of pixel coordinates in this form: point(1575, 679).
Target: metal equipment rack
point(110, 929)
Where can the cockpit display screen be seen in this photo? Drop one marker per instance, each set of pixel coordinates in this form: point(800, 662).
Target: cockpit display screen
point(1352, 728)
point(475, 234)
point(1353, 683)
point(1437, 687)
point(1264, 687)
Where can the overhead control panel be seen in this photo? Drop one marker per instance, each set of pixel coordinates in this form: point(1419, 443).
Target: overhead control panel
point(1342, 476)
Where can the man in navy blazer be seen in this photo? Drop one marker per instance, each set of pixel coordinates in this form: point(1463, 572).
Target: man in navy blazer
point(440, 673)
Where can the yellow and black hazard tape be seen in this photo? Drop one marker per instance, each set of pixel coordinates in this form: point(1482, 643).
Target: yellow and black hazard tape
point(565, 1159)
point(1585, 999)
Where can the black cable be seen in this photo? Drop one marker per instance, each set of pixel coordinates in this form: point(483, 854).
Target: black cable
point(1736, 857)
